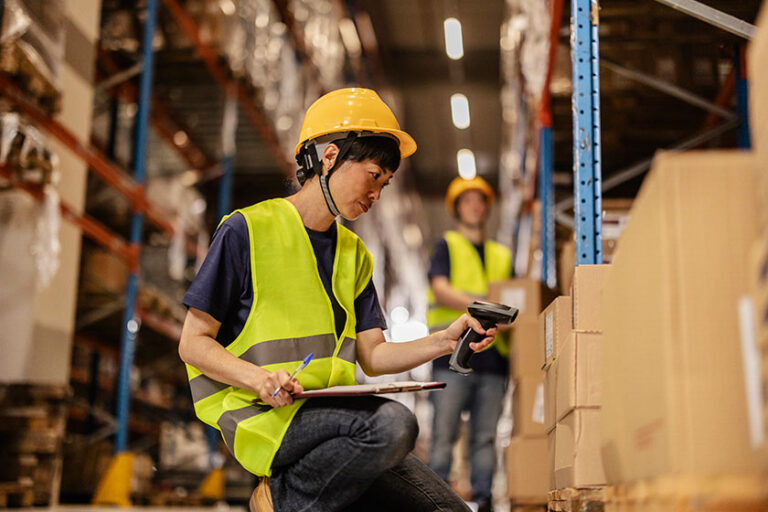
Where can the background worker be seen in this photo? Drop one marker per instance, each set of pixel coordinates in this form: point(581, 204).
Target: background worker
point(463, 263)
point(283, 279)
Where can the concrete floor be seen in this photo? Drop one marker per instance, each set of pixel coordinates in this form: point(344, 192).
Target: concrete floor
point(92, 508)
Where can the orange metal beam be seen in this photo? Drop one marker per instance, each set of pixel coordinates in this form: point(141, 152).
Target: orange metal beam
point(545, 105)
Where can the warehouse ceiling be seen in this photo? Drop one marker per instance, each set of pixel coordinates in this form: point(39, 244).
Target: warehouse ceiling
point(411, 41)
point(641, 35)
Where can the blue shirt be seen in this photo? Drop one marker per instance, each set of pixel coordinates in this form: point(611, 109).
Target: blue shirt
point(488, 360)
point(223, 287)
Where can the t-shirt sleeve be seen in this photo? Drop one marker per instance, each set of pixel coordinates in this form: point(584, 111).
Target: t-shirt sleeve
point(221, 278)
point(440, 265)
point(368, 312)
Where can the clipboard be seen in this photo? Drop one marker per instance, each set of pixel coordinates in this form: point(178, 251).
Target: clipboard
point(371, 389)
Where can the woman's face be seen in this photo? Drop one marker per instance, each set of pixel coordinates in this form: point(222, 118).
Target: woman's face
point(355, 186)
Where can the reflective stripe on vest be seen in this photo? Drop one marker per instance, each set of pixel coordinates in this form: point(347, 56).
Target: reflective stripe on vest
point(290, 317)
point(276, 352)
point(468, 274)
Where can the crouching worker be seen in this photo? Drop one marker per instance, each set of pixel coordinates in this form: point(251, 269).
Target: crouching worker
point(282, 279)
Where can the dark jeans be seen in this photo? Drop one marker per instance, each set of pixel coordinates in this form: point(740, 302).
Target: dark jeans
point(350, 454)
point(482, 394)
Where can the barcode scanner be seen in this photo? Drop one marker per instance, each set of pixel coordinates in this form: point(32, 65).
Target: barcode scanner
point(489, 314)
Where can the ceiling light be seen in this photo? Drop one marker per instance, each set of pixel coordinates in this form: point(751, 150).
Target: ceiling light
point(454, 46)
point(349, 37)
point(180, 138)
point(466, 161)
point(460, 111)
point(227, 7)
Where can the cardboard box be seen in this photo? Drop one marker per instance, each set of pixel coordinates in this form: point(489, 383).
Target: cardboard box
point(550, 396)
point(524, 349)
point(554, 326)
point(673, 390)
point(527, 470)
point(529, 296)
point(579, 373)
point(528, 406)
point(588, 297)
point(578, 462)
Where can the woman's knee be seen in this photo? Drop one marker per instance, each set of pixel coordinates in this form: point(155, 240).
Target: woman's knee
point(396, 426)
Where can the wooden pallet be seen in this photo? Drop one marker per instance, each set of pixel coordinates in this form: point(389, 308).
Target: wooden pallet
point(528, 507)
point(20, 493)
point(742, 493)
point(589, 499)
point(32, 427)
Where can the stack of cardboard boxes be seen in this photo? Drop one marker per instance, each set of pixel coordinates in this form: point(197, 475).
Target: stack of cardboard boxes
point(526, 455)
point(571, 345)
point(757, 56)
point(682, 407)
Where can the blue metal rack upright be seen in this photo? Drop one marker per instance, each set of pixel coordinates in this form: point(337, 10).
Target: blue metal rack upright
point(742, 96)
point(547, 197)
point(130, 322)
point(585, 61)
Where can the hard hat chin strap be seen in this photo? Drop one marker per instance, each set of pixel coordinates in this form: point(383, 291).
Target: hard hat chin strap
point(329, 202)
point(310, 163)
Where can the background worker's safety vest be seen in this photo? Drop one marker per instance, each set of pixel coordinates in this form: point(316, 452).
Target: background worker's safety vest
point(290, 317)
point(470, 276)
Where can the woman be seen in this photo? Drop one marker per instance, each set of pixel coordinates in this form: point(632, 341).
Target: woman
point(283, 279)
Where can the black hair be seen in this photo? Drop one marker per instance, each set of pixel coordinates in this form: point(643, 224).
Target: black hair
point(383, 151)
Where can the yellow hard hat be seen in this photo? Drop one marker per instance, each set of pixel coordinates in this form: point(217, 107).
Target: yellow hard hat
point(459, 185)
point(349, 110)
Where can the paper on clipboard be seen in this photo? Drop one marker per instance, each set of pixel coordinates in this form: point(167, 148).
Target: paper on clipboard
point(371, 389)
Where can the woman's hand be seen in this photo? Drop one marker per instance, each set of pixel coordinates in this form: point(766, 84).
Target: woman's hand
point(454, 331)
point(278, 380)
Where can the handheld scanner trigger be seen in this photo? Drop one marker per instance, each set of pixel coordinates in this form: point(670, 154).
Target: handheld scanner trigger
point(489, 314)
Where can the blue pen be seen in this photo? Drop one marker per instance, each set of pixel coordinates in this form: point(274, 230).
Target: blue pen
point(303, 365)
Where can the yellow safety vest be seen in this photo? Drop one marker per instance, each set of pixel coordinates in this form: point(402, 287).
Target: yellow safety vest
point(290, 317)
point(470, 276)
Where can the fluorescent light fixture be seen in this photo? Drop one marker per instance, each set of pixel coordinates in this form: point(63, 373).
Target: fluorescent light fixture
point(466, 160)
point(227, 7)
point(460, 111)
point(454, 46)
point(349, 37)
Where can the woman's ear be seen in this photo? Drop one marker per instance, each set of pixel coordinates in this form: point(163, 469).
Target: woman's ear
point(330, 153)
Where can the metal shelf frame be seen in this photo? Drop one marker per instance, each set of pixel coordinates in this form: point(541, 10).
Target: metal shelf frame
point(588, 182)
point(587, 161)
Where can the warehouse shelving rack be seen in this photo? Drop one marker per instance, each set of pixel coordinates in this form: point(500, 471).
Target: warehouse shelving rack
point(588, 182)
point(132, 188)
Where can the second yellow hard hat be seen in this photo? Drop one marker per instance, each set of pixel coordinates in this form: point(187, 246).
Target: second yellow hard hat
point(460, 185)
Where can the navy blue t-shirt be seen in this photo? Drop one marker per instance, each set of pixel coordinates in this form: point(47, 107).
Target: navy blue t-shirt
point(223, 287)
point(488, 360)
